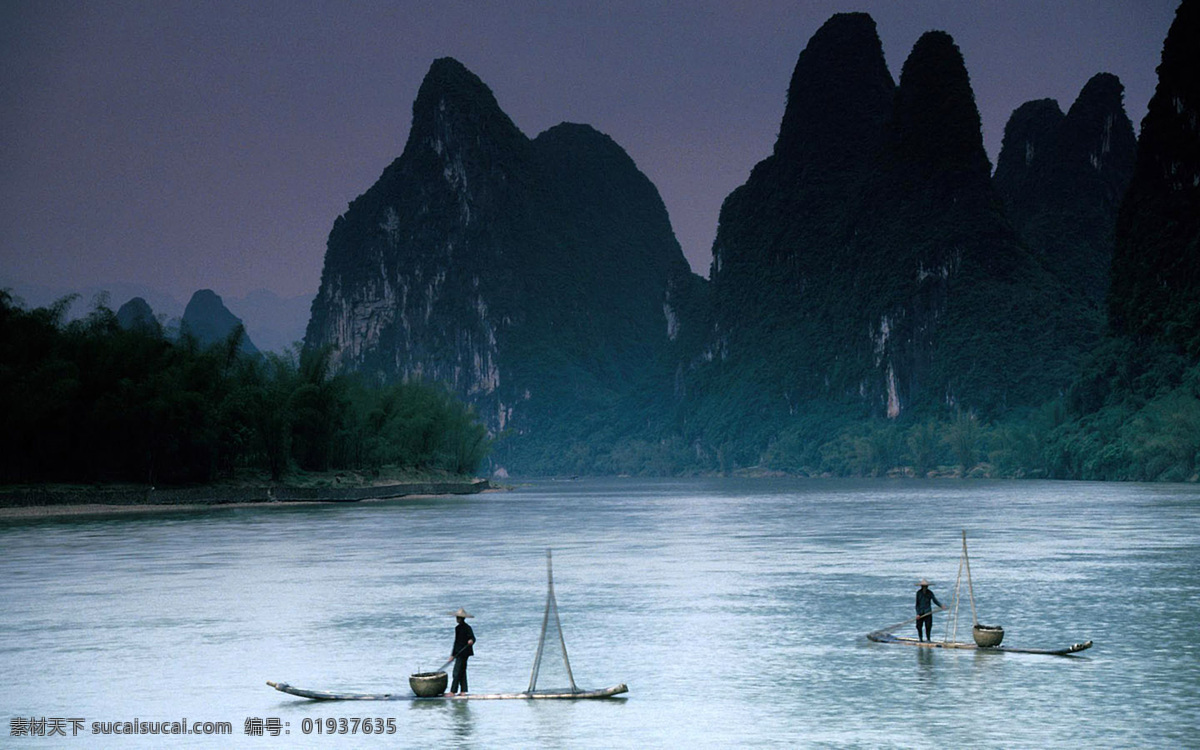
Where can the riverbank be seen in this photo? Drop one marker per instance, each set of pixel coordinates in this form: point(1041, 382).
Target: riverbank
point(40, 501)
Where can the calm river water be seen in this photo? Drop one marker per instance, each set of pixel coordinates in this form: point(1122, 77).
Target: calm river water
point(734, 609)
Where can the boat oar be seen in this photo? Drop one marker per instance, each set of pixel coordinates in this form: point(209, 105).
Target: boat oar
point(451, 660)
point(890, 628)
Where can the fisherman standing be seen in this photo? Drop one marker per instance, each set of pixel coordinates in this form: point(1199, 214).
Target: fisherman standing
point(925, 610)
point(464, 638)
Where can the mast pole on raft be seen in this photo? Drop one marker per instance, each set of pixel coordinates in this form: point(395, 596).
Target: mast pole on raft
point(970, 586)
point(952, 620)
point(537, 658)
point(561, 639)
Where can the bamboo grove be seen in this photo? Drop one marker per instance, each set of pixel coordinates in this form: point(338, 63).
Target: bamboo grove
point(90, 401)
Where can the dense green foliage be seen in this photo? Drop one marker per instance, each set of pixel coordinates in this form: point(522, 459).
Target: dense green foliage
point(1133, 414)
point(91, 401)
point(1135, 438)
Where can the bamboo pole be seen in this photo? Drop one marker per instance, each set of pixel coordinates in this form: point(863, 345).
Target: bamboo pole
point(970, 586)
point(561, 640)
point(551, 604)
point(953, 632)
point(537, 657)
point(890, 628)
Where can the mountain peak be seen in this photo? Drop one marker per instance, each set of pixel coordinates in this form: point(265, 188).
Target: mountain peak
point(136, 314)
point(447, 68)
point(454, 102)
point(840, 92)
point(1103, 87)
point(1098, 134)
point(208, 319)
point(1171, 128)
point(1029, 132)
point(936, 120)
point(1061, 178)
point(447, 78)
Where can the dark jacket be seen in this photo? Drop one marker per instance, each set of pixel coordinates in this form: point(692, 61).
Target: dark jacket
point(924, 595)
point(462, 634)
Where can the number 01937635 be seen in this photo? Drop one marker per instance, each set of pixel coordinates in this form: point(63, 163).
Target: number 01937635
point(344, 725)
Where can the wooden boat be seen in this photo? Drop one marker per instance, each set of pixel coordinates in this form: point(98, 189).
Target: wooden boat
point(570, 692)
point(985, 637)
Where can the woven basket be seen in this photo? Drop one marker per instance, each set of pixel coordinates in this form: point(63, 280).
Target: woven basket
point(987, 636)
point(428, 684)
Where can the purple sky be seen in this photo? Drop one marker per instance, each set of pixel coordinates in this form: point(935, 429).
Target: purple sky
point(184, 145)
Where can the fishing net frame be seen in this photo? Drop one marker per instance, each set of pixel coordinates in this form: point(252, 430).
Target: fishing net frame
point(551, 608)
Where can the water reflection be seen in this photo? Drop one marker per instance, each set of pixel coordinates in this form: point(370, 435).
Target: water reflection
point(462, 723)
point(926, 674)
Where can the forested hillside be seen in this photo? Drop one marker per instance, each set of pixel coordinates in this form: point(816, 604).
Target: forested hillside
point(1135, 411)
point(539, 279)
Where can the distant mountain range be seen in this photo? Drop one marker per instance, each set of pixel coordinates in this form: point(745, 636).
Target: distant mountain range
point(273, 322)
point(207, 318)
point(871, 268)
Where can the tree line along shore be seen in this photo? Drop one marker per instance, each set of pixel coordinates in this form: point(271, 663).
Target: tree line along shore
point(73, 500)
point(92, 402)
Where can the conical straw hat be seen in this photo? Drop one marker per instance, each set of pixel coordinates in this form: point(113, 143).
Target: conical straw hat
point(923, 582)
point(461, 613)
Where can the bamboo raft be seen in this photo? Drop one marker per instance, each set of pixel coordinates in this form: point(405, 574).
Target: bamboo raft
point(570, 692)
point(329, 695)
point(879, 636)
point(985, 637)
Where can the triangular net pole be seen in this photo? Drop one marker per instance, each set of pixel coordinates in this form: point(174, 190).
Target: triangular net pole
point(952, 621)
point(970, 586)
point(964, 563)
point(551, 606)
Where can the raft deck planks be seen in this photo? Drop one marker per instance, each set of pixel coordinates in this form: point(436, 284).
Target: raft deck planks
point(327, 695)
point(879, 637)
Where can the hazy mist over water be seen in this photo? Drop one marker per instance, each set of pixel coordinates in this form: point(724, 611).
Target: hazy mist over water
point(735, 610)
